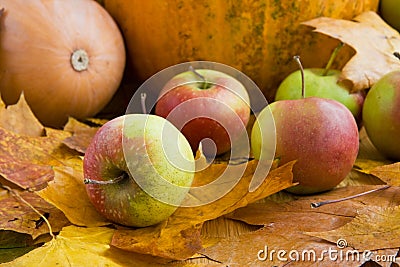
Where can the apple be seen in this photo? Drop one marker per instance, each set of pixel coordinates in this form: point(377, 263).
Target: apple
point(208, 106)
point(390, 12)
point(319, 85)
point(320, 134)
point(381, 115)
point(138, 168)
point(321, 82)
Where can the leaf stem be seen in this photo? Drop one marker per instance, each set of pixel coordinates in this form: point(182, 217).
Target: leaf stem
point(303, 89)
point(332, 58)
point(319, 204)
point(18, 196)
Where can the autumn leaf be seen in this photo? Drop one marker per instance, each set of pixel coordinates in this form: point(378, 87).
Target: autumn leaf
point(82, 135)
point(367, 165)
point(77, 246)
point(179, 236)
point(375, 43)
point(17, 216)
point(16, 117)
point(67, 192)
point(28, 161)
point(388, 173)
point(285, 227)
point(374, 228)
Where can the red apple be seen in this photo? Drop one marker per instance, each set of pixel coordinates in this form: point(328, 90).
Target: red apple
point(320, 134)
point(138, 169)
point(206, 104)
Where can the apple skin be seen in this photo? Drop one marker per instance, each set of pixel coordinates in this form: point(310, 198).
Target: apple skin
point(132, 145)
point(321, 86)
point(390, 12)
point(321, 134)
point(220, 112)
point(381, 115)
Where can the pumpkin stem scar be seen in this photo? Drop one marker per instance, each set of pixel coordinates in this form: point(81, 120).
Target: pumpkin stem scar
point(397, 54)
point(79, 60)
point(107, 182)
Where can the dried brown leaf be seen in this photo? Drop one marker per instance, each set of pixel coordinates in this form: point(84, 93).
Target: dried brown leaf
point(285, 225)
point(82, 135)
point(374, 42)
point(28, 161)
point(179, 236)
point(67, 192)
point(388, 173)
point(17, 216)
point(367, 165)
point(374, 228)
point(20, 119)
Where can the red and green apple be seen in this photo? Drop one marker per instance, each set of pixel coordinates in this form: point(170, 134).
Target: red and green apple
point(138, 169)
point(320, 134)
point(381, 115)
point(208, 106)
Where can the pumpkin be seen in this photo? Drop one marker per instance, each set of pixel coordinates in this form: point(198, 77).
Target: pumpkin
point(259, 37)
point(67, 57)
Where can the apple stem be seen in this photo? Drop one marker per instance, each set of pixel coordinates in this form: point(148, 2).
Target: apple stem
point(332, 58)
point(397, 54)
point(303, 89)
point(107, 182)
point(143, 102)
point(205, 82)
point(319, 204)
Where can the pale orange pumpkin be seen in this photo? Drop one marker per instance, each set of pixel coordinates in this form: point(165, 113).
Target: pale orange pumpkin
point(259, 37)
point(67, 56)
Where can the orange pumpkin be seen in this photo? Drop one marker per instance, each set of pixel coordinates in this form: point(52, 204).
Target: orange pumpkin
point(68, 57)
point(258, 37)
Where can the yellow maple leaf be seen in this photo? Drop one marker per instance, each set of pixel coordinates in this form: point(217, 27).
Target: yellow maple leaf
point(179, 236)
point(67, 192)
point(389, 173)
point(16, 117)
point(375, 43)
point(78, 246)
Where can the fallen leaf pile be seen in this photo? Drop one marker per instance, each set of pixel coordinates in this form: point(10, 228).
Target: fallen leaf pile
point(41, 176)
point(44, 169)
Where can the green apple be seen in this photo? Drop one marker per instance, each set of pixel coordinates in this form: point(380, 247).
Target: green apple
point(319, 85)
point(390, 12)
point(381, 115)
point(138, 169)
